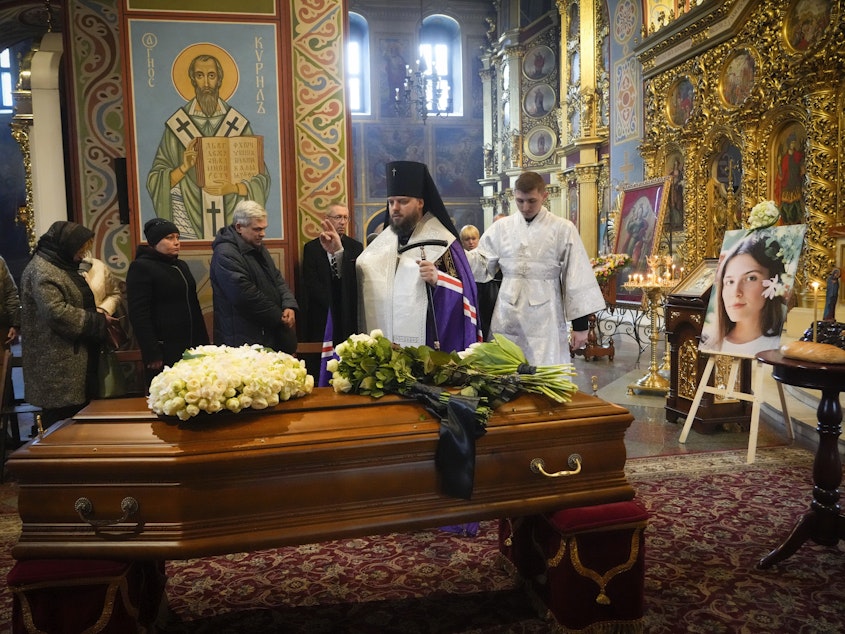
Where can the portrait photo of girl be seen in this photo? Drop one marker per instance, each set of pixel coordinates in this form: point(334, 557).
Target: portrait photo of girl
point(753, 284)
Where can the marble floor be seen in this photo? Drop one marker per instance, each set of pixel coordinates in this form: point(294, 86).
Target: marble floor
point(651, 434)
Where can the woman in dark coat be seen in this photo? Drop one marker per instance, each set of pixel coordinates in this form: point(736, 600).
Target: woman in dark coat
point(61, 330)
point(163, 307)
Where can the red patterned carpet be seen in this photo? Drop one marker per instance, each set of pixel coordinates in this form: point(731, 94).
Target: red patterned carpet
point(711, 524)
point(713, 518)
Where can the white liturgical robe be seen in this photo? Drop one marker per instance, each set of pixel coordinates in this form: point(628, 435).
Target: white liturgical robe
point(392, 294)
point(546, 280)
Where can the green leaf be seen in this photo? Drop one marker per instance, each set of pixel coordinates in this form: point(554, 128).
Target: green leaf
point(510, 348)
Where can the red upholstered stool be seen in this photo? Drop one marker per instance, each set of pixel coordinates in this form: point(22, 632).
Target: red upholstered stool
point(64, 596)
point(593, 573)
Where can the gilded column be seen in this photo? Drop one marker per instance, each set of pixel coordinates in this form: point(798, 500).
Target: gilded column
point(26, 213)
point(819, 254)
point(588, 204)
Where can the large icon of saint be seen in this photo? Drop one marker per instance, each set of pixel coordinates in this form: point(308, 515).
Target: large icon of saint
point(208, 158)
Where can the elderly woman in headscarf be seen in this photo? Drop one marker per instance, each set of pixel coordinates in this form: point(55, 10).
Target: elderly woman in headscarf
point(61, 330)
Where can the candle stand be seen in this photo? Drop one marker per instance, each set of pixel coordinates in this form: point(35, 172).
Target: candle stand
point(654, 285)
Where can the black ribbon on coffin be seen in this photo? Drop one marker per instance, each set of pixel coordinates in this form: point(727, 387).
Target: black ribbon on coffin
point(459, 429)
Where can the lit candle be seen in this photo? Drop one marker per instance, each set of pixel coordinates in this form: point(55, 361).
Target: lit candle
point(815, 308)
point(682, 272)
point(673, 271)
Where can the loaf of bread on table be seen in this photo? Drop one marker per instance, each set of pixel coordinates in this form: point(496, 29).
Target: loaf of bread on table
point(813, 351)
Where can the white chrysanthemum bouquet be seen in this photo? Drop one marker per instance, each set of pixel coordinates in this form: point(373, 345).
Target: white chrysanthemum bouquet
point(763, 214)
point(212, 379)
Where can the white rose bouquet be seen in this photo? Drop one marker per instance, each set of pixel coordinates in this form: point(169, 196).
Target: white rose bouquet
point(493, 371)
point(212, 379)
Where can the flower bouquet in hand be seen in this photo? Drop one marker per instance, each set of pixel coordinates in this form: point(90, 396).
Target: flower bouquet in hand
point(213, 379)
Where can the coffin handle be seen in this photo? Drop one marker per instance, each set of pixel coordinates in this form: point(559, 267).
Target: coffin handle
point(85, 508)
point(538, 465)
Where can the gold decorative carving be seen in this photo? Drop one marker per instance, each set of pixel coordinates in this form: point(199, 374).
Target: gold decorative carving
point(604, 202)
point(587, 174)
point(602, 111)
point(790, 87)
point(516, 149)
point(721, 375)
point(688, 369)
point(696, 319)
point(26, 214)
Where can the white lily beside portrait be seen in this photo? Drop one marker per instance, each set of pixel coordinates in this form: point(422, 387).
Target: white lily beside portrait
point(212, 379)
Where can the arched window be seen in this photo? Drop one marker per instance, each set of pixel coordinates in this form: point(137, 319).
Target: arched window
point(440, 56)
point(6, 102)
point(357, 66)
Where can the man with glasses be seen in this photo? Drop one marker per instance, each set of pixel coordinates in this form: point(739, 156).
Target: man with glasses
point(322, 272)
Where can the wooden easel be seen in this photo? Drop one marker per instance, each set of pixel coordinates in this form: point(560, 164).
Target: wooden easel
point(756, 398)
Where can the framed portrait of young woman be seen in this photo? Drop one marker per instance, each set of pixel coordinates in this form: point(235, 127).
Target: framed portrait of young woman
point(751, 290)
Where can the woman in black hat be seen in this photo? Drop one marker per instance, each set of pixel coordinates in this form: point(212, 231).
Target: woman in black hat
point(163, 306)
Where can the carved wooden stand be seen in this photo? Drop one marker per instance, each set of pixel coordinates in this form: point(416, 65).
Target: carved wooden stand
point(593, 350)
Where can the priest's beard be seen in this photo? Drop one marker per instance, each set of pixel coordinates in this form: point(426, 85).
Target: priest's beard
point(207, 98)
point(404, 227)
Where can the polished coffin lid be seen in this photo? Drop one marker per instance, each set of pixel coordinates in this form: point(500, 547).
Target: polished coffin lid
point(321, 467)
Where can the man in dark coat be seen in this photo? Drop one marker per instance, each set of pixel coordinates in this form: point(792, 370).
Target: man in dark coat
point(252, 301)
point(322, 273)
point(162, 295)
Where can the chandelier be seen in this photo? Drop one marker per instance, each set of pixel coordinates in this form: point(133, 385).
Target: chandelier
point(422, 93)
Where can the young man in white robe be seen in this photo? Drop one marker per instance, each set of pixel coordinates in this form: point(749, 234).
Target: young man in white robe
point(547, 279)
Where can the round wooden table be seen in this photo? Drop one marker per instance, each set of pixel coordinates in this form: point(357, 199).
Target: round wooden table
point(824, 522)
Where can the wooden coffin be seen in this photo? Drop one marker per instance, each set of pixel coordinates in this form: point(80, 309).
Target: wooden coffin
point(118, 482)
